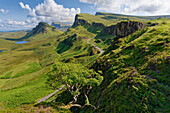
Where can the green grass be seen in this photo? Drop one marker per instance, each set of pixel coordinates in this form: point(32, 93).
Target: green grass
point(23, 68)
point(7, 76)
point(42, 30)
point(13, 35)
point(136, 72)
point(31, 68)
point(25, 94)
point(102, 42)
point(6, 45)
point(108, 19)
point(127, 64)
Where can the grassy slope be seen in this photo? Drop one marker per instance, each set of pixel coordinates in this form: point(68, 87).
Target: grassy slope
point(107, 19)
point(148, 94)
point(6, 44)
point(136, 73)
point(22, 73)
point(62, 24)
point(72, 47)
point(14, 35)
point(73, 42)
point(63, 27)
point(41, 31)
point(131, 17)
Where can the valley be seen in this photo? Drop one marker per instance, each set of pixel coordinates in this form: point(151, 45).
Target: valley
point(101, 51)
point(102, 63)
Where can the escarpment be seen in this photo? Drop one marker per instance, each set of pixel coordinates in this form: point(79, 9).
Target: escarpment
point(79, 21)
point(109, 30)
point(124, 29)
point(84, 22)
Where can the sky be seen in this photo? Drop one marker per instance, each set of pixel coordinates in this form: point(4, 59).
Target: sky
point(26, 14)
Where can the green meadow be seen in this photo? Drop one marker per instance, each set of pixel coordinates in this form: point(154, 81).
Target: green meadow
point(135, 68)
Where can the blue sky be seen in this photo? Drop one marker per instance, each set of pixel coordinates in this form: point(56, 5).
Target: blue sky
point(25, 14)
point(16, 12)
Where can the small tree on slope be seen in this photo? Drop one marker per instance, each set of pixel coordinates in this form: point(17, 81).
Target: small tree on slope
point(74, 77)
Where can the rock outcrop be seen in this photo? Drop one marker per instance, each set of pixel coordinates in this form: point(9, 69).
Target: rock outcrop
point(123, 29)
point(83, 22)
point(79, 21)
point(126, 28)
point(109, 30)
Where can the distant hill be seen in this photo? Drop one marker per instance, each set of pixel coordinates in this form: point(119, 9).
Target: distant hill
point(43, 29)
point(61, 26)
point(121, 16)
point(26, 30)
point(13, 35)
point(134, 65)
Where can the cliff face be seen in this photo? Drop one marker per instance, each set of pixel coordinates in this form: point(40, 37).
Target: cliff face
point(109, 30)
point(83, 22)
point(133, 78)
point(124, 29)
point(79, 21)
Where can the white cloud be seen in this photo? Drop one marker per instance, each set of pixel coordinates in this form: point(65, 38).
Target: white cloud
point(26, 6)
point(145, 7)
point(50, 11)
point(10, 24)
point(32, 20)
point(4, 11)
point(14, 22)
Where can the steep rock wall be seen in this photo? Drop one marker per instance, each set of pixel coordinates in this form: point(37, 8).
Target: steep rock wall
point(124, 29)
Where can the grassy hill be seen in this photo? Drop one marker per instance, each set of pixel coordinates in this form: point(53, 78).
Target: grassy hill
point(61, 26)
point(7, 44)
point(130, 17)
point(22, 69)
point(14, 35)
point(42, 30)
point(135, 67)
point(136, 73)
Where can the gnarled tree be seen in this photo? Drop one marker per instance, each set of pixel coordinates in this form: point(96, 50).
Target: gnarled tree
point(74, 77)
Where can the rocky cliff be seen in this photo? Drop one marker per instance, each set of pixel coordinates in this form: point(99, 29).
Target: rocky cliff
point(79, 21)
point(109, 30)
point(84, 22)
point(123, 29)
point(126, 28)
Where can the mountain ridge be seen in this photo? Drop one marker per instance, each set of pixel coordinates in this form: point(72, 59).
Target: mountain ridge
point(61, 26)
point(41, 28)
point(135, 64)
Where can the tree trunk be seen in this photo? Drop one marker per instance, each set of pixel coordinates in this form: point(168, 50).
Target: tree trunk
point(87, 99)
point(76, 105)
point(88, 103)
point(75, 99)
